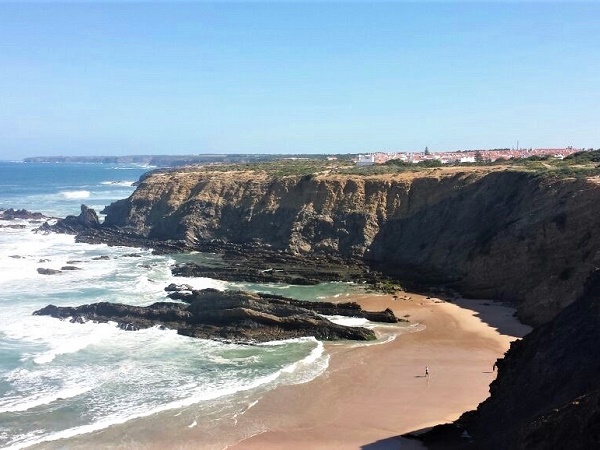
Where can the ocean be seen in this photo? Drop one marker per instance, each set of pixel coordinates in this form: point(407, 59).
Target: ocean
point(61, 381)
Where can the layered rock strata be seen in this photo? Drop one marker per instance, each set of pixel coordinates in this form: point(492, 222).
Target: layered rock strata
point(507, 235)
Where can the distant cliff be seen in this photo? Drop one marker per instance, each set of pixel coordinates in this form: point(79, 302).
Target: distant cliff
point(159, 160)
point(495, 234)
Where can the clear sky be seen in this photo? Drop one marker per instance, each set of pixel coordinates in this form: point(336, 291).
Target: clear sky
point(281, 77)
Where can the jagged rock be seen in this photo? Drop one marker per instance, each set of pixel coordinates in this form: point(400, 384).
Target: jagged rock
point(45, 271)
point(70, 268)
point(14, 226)
point(87, 219)
point(101, 258)
point(230, 315)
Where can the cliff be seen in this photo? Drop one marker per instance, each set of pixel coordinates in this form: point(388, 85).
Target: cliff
point(500, 234)
point(548, 386)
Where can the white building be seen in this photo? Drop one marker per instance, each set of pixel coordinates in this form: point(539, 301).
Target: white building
point(365, 160)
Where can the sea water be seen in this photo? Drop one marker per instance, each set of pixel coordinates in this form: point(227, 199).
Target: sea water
point(60, 380)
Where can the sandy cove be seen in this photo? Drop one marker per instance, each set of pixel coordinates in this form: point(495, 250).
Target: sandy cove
point(368, 396)
point(371, 394)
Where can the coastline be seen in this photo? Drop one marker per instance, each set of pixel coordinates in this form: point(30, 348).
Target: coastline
point(367, 397)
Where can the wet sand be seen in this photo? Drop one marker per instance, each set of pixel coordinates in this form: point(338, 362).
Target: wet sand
point(370, 395)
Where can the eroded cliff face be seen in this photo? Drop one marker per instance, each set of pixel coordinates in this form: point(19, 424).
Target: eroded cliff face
point(493, 234)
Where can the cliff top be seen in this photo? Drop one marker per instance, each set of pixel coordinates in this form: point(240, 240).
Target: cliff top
point(582, 164)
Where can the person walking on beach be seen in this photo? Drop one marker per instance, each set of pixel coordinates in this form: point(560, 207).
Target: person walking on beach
point(427, 371)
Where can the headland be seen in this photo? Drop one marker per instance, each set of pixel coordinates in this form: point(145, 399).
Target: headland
point(525, 235)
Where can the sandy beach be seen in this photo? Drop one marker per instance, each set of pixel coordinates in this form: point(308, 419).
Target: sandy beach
point(371, 395)
point(368, 396)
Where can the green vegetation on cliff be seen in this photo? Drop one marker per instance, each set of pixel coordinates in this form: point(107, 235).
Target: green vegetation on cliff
point(578, 165)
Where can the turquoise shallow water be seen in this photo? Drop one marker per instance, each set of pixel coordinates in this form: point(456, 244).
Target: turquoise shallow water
point(59, 380)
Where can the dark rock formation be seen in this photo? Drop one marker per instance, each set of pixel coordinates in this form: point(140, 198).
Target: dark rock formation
point(87, 219)
point(230, 315)
point(547, 393)
point(45, 271)
point(11, 214)
point(264, 266)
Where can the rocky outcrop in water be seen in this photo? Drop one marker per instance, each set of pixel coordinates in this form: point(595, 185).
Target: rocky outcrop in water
point(230, 315)
point(46, 271)
point(12, 214)
point(86, 220)
point(532, 240)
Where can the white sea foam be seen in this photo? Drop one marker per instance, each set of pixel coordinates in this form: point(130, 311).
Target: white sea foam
point(305, 369)
point(218, 359)
point(349, 321)
point(133, 167)
point(20, 404)
point(58, 337)
point(201, 282)
point(118, 183)
point(190, 393)
point(75, 194)
point(128, 414)
point(308, 361)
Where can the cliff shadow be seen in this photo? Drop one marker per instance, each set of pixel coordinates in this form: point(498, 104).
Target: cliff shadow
point(449, 234)
point(495, 314)
point(395, 443)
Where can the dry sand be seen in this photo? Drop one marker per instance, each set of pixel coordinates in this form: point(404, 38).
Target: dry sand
point(372, 394)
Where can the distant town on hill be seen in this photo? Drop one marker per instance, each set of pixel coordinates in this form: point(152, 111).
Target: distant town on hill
point(449, 157)
point(466, 156)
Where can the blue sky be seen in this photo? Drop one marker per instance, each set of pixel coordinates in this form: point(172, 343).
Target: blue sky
point(183, 78)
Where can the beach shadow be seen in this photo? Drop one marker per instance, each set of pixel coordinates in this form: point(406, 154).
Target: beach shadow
point(495, 315)
point(489, 371)
point(420, 376)
point(394, 443)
